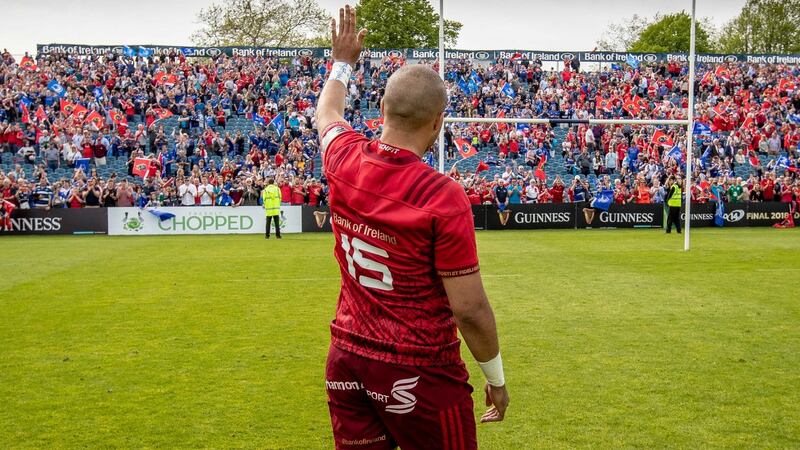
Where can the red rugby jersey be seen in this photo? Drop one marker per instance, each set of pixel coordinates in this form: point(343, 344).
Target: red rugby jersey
point(400, 227)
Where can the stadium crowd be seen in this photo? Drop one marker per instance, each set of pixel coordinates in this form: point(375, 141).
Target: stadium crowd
point(173, 114)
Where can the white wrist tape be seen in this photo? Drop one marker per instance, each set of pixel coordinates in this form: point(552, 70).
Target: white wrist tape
point(341, 71)
point(493, 371)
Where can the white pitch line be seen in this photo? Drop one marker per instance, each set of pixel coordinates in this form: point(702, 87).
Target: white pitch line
point(338, 278)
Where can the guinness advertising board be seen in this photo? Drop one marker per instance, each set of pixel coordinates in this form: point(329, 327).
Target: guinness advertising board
point(766, 214)
point(622, 216)
point(531, 217)
point(703, 214)
point(58, 221)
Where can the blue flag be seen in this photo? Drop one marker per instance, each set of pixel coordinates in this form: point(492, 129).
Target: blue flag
point(57, 88)
point(24, 99)
point(82, 163)
point(127, 51)
point(701, 129)
point(473, 87)
point(632, 61)
point(508, 90)
point(675, 154)
point(475, 77)
point(258, 120)
point(277, 122)
point(162, 216)
point(719, 215)
point(145, 52)
point(462, 84)
point(187, 51)
point(615, 66)
point(603, 200)
point(794, 118)
point(98, 93)
point(783, 161)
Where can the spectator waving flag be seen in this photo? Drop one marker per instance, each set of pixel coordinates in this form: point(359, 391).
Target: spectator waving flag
point(41, 116)
point(374, 124)
point(259, 120)
point(475, 77)
point(482, 167)
point(615, 66)
point(27, 63)
point(26, 114)
point(66, 107)
point(662, 138)
point(539, 172)
point(701, 129)
point(57, 88)
point(162, 113)
point(278, 123)
point(507, 90)
point(79, 111)
point(145, 52)
point(127, 51)
point(465, 149)
point(98, 93)
point(118, 118)
point(603, 200)
point(462, 84)
point(754, 161)
point(95, 119)
point(723, 72)
point(83, 164)
point(632, 61)
point(675, 154)
point(141, 167)
point(794, 118)
point(162, 215)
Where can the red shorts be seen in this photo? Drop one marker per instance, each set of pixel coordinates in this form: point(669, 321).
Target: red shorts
point(377, 405)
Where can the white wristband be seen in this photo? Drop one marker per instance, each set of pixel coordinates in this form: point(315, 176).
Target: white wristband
point(493, 370)
point(341, 71)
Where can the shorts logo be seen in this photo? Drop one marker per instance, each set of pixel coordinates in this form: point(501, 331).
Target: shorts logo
point(400, 393)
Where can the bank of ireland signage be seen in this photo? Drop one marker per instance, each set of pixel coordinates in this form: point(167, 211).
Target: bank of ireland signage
point(199, 220)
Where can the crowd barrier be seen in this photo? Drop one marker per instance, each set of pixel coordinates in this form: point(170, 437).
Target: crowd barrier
point(410, 53)
point(305, 219)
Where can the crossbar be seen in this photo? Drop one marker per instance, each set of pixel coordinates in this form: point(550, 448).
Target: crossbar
point(567, 121)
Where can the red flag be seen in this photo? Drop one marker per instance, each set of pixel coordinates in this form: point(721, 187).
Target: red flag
point(482, 166)
point(640, 102)
point(754, 161)
point(501, 127)
point(661, 138)
point(26, 115)
point(67, 107)
point(78, 111)
point(9, 208)
point(171, 79)
point(95, 119)
point(539, 172)
point(516, 55)
point(161, 77)
point(465, 148)
point(631, 107)
point(605, 105)
point(723, 72)
point(373, 124)
point(162, 113)
point(786, 85)
point(141, 167)
point(118, 118)
point(708, 78)
point(748, 122)
point(40, 114)
point(28, 63)
point(721, 109)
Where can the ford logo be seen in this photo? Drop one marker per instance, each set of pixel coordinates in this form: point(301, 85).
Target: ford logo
point(395, 53)
point(305, 52)
point(735, 215)
point(567, 56)
point(481, 55)
point(213, 51)
point(731, 58)
point(650, 58)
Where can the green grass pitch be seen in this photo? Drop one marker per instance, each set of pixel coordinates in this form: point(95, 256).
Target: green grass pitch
point(610, 339)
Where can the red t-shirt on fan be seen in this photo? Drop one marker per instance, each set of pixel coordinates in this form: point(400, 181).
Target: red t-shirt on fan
point(399, 227)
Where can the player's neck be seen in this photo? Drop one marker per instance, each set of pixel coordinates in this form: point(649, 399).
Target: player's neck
point(407, 141)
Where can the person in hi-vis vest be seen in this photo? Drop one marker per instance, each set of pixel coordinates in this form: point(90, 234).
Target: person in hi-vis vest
point(674, 204)
point(271, 199)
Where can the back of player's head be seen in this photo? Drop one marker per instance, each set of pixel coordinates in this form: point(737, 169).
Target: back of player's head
point(415, 97)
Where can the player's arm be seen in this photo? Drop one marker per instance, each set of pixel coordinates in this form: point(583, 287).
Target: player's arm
point(475, 319)
point(346, 49)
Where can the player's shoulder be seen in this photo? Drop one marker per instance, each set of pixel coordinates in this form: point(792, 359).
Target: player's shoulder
point(430, 190)
point(338, 134)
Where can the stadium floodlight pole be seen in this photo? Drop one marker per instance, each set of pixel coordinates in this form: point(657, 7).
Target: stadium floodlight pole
point(689, 138)
point(441, 74)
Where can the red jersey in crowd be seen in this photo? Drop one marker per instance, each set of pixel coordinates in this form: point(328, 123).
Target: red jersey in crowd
point(286, 192)
point(399, 227)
